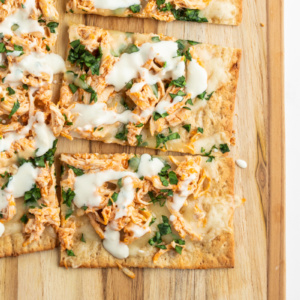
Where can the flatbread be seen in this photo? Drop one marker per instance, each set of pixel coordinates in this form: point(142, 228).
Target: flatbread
point(81, 246)
point(215, 11)
point(30, 126)
point(192, 125)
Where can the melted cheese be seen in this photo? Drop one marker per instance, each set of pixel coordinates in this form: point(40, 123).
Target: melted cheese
point(21, 18)
point(23, 181)
point(220, 9)
point(90, 116)
point(130, 65)
point(114, 4)
point(35, 64)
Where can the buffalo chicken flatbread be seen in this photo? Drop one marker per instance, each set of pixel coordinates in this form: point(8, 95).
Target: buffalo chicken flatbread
point(212, 11)
point(145, 211)
point(29, 127)
point(149, 90)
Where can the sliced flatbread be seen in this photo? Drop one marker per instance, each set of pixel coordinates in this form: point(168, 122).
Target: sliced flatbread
point(30, 125)
point(212, 11)
point(143, 211)
point(149, 90)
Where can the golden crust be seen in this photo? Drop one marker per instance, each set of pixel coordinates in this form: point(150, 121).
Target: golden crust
point(12, 245)
point(214, 252)
point(212, 10)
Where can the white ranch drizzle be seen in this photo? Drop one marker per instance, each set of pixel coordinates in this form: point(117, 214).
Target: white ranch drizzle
point(180, 198)
point(164, 105)
point(85, 188)
point(23, 180)
point(2, 229)
point(196, 82)
point(114, 4)
point(130, 65)
point(44, 136)
point(36, 64)
point(90, 116)
point(241, 163)
point(21, 18)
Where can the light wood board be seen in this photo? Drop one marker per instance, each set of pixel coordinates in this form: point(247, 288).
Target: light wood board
point(259, 271)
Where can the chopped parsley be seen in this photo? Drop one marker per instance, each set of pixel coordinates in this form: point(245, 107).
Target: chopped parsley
point(112, 199)
point(81, 57)
point(131, 49)
point(68, 196)
point(205, 96)
point(70, 252)
point(135, 8)
point(154, 89)
point(134, 163)
point(32, 196)
point(187, 127)
point(129, 85)
point(155, 39)
point(200, 129)
point(224, 148)
point(180, 93)
point(77, 171)
point(157, 115)
point(160, 197)
point(14, 109)
point(8, 176)
point(52, 26)
point(10, 91)
point(69, 213)
point(66, 121)
point(73, 88)
point(162, 139)
point(24, 219)
point(179, 82)
point(152, 221)
point(122, 135)
point(83, 239)
point(167, 177)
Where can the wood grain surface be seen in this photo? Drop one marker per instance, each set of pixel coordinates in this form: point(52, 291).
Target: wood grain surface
point(259, 271)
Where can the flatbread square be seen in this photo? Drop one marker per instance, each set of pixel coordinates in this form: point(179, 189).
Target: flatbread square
point(213, 11)
point(149, 90)
point(142, 211)
point(29, 127)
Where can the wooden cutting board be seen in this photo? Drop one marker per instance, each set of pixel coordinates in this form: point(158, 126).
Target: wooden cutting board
point(259, 271)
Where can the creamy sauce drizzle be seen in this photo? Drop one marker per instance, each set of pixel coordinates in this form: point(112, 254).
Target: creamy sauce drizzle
point(241, 163)
point(23, 181)
point(90, 116)
point(86, 186)
point(35, 64)
point(130, 65)
point(114, 4)
point(21, 18)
